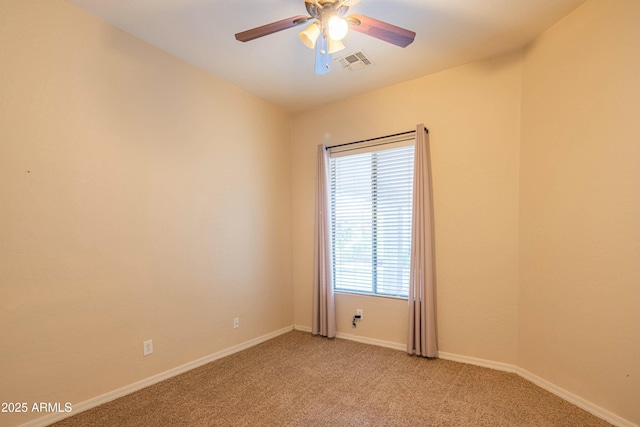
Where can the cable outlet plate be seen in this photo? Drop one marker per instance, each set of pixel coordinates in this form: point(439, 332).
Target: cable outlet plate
point(236, 322)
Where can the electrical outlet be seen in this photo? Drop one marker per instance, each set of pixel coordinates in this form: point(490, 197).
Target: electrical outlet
point(359, 313)
point(147, 347)
point(236, 322)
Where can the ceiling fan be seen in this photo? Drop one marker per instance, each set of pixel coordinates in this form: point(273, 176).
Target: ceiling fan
point(329, 25)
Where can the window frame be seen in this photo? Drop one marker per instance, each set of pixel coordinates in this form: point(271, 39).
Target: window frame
point(370, 146)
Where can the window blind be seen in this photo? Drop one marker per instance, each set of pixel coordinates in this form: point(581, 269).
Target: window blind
point(371, 201)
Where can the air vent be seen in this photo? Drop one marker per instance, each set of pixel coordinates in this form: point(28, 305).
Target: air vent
point(355, 61)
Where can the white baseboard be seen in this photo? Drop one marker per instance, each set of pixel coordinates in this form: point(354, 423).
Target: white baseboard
point(558, 391)
point(505, 367)
point(576, 400)
point(123, 391)
point(498, 366)
point(542, 383)
point(364, 340)
point(372, 341)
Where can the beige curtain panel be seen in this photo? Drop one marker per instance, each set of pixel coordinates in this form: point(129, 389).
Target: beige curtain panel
point(324, 316)
point(422, 339)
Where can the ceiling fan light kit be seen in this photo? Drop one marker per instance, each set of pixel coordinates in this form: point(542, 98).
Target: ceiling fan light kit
point(337, 28)
point(310, 35)
point(326, 33)
point(334, 46)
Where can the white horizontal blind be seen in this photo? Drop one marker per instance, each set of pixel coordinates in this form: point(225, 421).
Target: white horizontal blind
point(371, 198)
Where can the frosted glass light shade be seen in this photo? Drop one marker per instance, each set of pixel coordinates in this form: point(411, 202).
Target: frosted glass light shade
point(334, 46)
point(310, 35)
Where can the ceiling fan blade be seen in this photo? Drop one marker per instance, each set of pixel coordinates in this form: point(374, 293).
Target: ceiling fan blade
point(381, 30)
point(274, 27)
point(323, 57)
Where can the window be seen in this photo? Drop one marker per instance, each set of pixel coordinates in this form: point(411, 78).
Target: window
point(371, 198)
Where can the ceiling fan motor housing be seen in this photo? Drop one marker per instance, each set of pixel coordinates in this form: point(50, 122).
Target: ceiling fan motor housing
point(326, 8)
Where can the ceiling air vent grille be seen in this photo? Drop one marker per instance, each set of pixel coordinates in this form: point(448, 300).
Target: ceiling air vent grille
point(355, 61)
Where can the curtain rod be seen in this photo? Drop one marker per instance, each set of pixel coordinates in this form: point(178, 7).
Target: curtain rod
point(375, 139)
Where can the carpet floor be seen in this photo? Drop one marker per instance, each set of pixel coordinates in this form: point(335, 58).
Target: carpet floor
point(298, 379)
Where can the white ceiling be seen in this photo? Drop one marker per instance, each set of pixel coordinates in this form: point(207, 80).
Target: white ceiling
point(279, 68)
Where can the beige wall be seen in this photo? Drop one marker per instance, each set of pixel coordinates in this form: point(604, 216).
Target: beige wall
point(140, 198)
point(580, 206)
point(473, 113)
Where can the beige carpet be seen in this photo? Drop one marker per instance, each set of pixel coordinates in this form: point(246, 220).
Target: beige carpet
point(301, 380)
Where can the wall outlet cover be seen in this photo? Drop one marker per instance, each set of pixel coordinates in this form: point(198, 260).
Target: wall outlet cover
point(147, 347)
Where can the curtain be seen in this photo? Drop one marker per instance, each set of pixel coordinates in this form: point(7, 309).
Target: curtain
point(422, 315)
point(324, 317)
